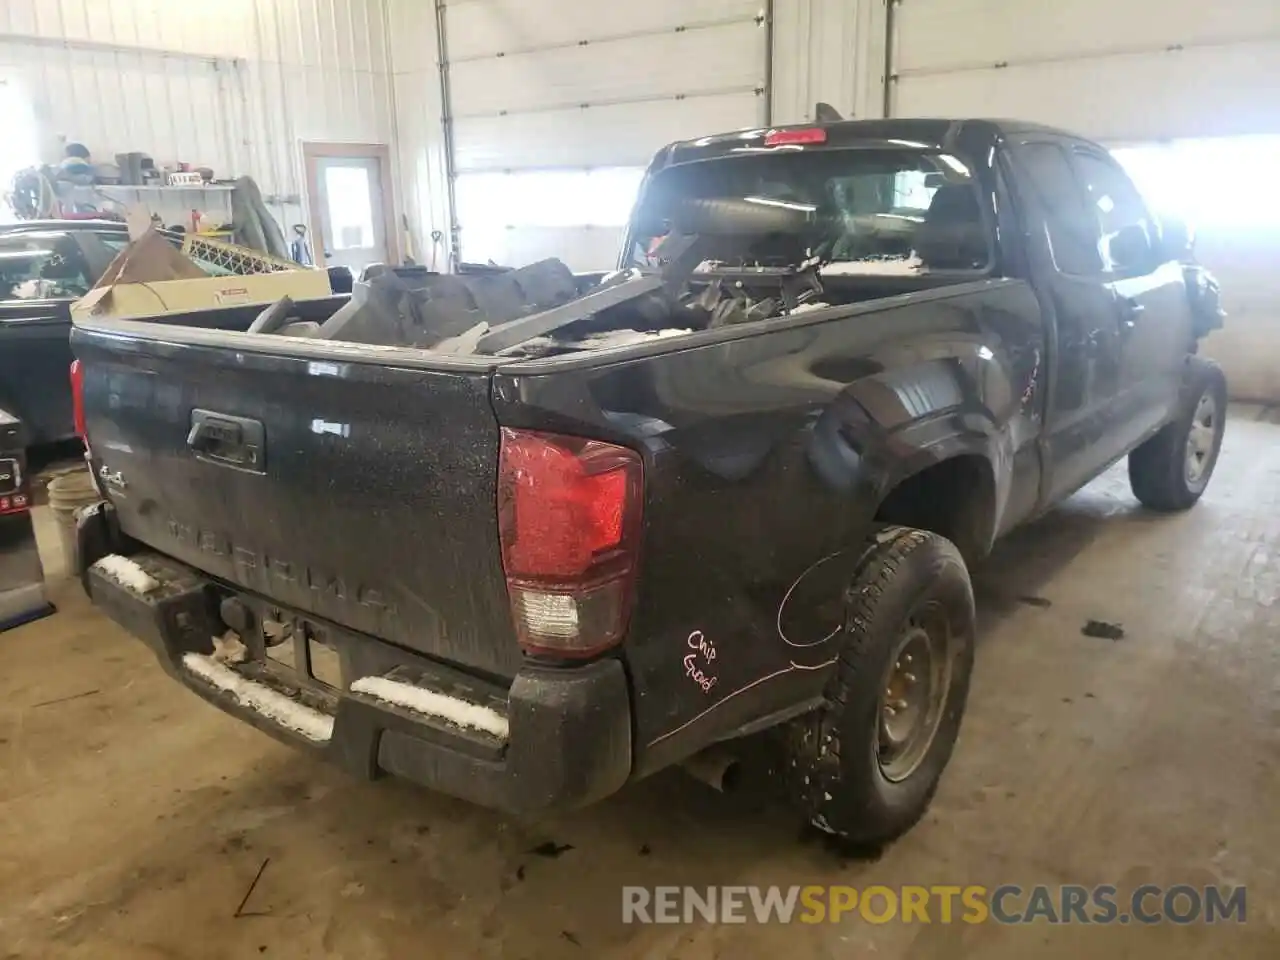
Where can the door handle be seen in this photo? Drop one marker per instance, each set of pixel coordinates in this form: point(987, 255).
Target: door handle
point(1131, 310)
point(233, 441)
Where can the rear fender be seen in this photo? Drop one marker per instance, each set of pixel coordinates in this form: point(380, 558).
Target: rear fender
point(860, 455)
point(954, 493)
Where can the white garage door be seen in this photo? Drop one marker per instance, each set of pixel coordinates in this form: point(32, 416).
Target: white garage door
point(557, 108)
point(1114, 70)
point(1186, 91)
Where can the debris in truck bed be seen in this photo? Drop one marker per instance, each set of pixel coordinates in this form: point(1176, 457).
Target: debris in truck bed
point(876, 267)
point(127, 573)
point(465, 342)
point(620, 338)
point(258, 697)
point(622, 290)
point(543, 309)
point(433, 704)
point(389, 312)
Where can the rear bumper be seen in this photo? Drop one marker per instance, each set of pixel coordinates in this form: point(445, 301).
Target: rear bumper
point(568, 731)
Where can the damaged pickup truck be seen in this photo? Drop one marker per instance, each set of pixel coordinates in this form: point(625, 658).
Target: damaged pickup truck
point(523, 538)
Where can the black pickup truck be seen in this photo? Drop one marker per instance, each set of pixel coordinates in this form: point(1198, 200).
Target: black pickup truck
point(524, 542)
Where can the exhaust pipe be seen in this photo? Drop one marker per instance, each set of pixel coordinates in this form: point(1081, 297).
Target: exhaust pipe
point(716, 767)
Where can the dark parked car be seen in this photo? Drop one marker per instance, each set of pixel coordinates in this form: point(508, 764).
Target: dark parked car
point(524, 544)
point(44, 267)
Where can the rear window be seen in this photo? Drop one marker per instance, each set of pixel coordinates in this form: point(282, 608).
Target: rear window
point(882, 211)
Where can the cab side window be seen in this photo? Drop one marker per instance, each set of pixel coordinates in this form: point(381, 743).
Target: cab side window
point(40, 266)
point(1128, 234)
point(1075, 233)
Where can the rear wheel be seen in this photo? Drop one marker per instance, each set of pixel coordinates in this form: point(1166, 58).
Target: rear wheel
point(1172, 469)
point(867, 766)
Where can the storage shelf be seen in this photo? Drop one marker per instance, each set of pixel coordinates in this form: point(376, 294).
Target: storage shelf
point(206, 188)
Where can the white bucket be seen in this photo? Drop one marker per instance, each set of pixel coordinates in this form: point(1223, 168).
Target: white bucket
point(67, 494)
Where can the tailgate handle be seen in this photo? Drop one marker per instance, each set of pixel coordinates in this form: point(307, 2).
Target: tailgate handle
point(231, 441)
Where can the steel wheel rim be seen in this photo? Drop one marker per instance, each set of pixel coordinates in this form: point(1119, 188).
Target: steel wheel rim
point(914, 694)
point(1200, 439)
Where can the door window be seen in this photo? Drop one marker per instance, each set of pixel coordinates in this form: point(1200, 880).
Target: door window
point(1127, 231)
point(348, 198)
point(41, 266)
point(1075, 234)
point(348, 207)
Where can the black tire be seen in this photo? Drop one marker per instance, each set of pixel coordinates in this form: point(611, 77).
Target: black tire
point(836, 757)
point(1162, 473)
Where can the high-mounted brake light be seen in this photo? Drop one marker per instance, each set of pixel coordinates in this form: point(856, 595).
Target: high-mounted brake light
point(77, 397)
point(786, 138)
point(569, 517)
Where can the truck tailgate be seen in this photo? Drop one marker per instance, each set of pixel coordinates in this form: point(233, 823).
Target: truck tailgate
point(359, 491)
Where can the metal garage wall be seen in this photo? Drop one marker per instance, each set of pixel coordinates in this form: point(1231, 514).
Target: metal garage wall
point(822, 50)
point(234, 84)
point(419, 118)
point(1248, 347)
point(1130, 72)
point(829, 51)
point(1111, 70)
point(321, 72)
point(583, 84)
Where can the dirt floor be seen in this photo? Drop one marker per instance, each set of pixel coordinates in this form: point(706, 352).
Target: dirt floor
point(134, 818)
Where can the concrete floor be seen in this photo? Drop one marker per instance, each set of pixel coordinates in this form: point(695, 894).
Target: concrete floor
point(133, 817)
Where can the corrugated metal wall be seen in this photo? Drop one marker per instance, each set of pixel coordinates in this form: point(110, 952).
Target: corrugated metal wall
point(1124, 73)
point(598, 85)
point(589, 87)
point(415, 69)
point(829, 51)
point(232, 84)
point(1136, 71)
point(823, 50)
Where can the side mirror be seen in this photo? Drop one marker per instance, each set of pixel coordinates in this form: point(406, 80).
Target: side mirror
point(1177, 239)
point(1131, 248)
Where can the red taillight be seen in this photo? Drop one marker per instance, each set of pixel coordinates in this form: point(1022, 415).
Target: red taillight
point(77, 397)
point(569, 516)
point(785, 138)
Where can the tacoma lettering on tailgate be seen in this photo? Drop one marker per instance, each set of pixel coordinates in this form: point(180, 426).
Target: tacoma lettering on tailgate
point(256, 568)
